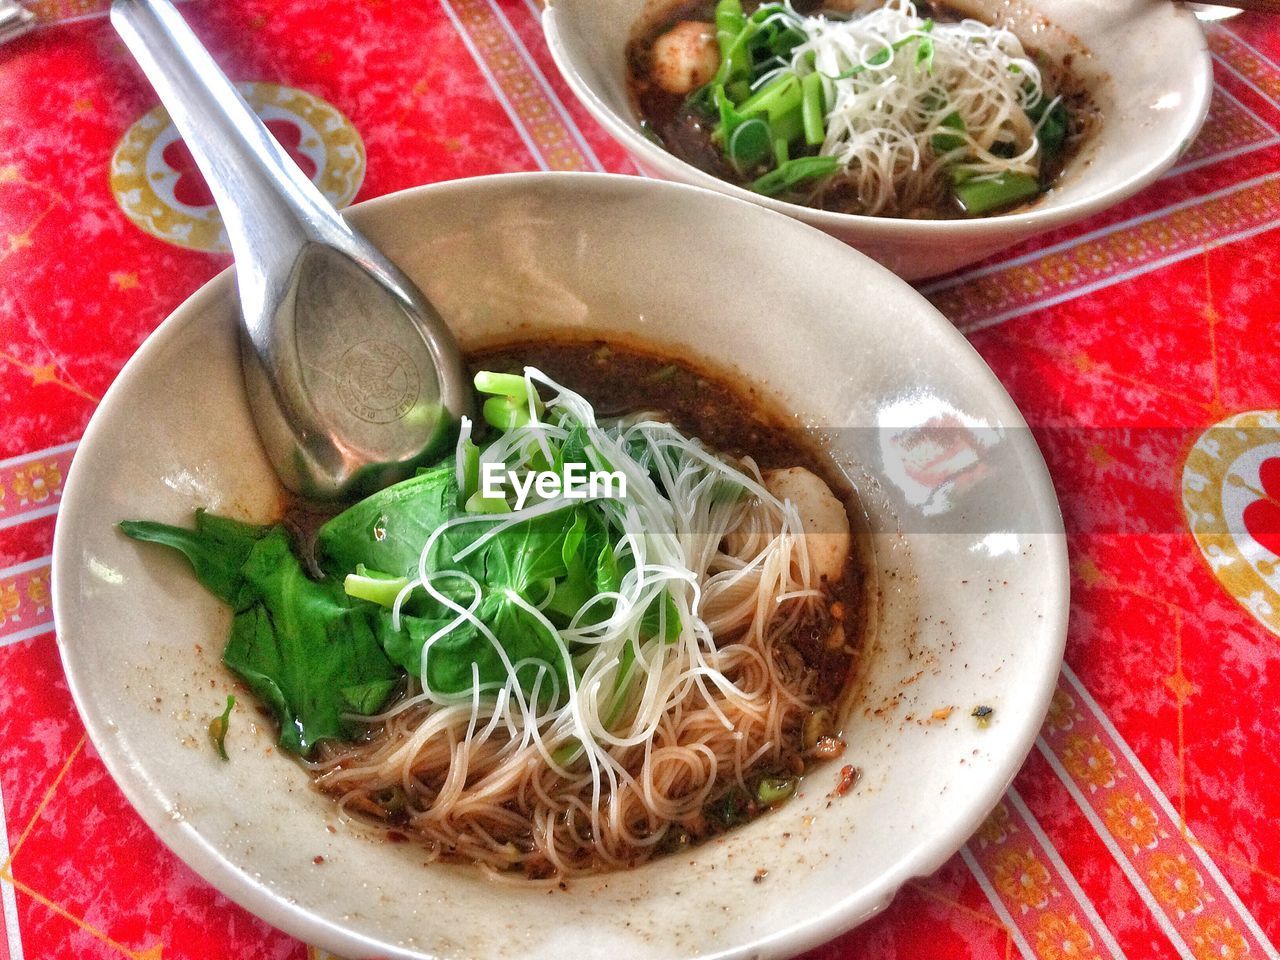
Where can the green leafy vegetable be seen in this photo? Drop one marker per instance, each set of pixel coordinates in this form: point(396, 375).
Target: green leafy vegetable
point(217, 548)
point(303, 647)
point(812, 108)
point(946, 142)
point(748, 144)
point(368, 698)
point(387, 530)
point(794, 172)
point(777, 98)
point(490, 599)
point(1051, 119)
point(978, 197)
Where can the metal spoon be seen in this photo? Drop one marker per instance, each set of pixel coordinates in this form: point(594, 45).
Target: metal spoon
point(352, 376)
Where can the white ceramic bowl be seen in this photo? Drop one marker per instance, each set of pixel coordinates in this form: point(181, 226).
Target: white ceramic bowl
point(970, 568)
point(1147, 65)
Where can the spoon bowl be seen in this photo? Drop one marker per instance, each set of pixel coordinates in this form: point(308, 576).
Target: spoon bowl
point(353, 377)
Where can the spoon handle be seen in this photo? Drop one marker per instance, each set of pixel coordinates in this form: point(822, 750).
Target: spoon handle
point(353, 377)
point(266, 201)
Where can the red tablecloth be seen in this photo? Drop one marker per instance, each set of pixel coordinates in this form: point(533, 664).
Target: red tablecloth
point(1145, 821)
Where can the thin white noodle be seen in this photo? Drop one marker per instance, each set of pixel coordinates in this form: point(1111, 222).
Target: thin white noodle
point(604, 767)
point(881, 121)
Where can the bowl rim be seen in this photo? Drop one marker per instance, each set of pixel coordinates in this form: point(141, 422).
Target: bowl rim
point(1036, 218)
point(238, 882)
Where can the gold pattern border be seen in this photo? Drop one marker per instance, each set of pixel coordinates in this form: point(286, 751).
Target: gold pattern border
point(1050, 920)
point(518, 85)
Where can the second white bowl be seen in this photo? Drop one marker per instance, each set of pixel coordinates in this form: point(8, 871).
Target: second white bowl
point(1147, 65)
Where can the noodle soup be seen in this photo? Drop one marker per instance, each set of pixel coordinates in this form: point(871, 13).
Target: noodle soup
point(893, 109)
point(564, 686)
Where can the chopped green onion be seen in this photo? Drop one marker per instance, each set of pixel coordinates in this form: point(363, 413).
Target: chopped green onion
point(781, 152)
point(924, 55)
point(881, 57)
point(733, 31)
point(765, 11)
point(776, 98)
point(381, 590)
point(502, 385)
point(771, 791)
point(505, 413)
point(786, 40)
point(794, 172)
point(748, 144)
point(218, 728)
point(788, 127)
point(812, 108)
point(730, 119)
point(508, 407)
point(946, 142)
point(730, 22)
point(391, 799)
point(978, 197)
point(567, 752)
point(777, 32)
point(738, 90)
point(470, 469)
point(477, 503)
